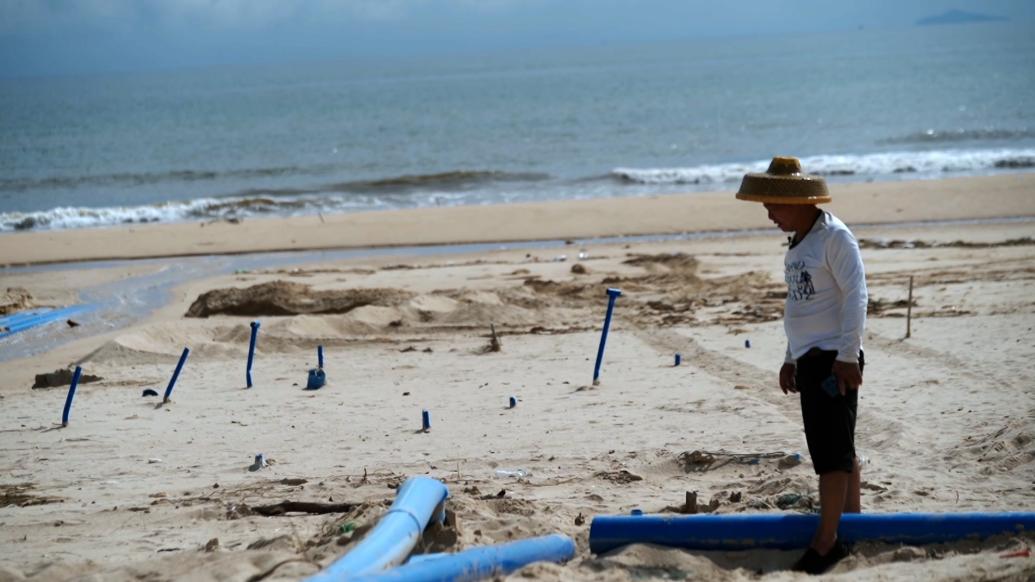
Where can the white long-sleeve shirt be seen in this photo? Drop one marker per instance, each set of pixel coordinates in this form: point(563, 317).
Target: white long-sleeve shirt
point(826, 292)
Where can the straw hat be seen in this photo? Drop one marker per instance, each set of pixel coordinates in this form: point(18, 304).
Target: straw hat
point(784, 183)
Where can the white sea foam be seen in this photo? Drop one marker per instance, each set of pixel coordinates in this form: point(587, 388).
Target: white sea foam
point(850, 167)
point(927, 163)
point(187, 210)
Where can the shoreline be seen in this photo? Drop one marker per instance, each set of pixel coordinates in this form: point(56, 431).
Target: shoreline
point(1005, 196)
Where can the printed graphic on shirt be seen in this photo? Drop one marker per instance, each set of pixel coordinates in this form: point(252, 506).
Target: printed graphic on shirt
point(799, 282)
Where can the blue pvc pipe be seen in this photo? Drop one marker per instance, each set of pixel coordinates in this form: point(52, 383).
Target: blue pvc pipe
point(787, 531)
point(251, 353)
point(512, 402)
point(612, 294)
point(480, 563)
point(8, 320)
point(41, 317)
point(176, 374)
point(395, 535)
point(425, 420)
point(23, 321)
point(319, 357)
point(71, 396)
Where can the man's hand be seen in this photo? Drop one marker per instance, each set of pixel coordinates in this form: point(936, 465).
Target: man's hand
point(787, 383)
point(848, 375)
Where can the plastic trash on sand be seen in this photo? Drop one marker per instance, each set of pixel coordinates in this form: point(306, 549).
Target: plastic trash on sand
point(513, 473)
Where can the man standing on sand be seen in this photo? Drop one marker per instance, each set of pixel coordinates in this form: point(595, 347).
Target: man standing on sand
point(824, 318)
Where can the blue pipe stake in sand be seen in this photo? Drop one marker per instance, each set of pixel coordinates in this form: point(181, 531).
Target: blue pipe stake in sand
point(71, 396)
point(425, 420)
point(251, 352)
point(317, 378)
point(612, 294)
point(513, 402)
point(176, 374)
point(679, 359)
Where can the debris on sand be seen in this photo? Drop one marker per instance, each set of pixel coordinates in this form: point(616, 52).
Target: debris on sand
point(868, 243)
point(61, 377)
point(620, 477)
point(878, 306)
point(19, 495)
point(494, 345)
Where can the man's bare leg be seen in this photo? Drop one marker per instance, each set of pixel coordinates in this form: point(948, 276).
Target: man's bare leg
point(833, 494)
point(853, 501)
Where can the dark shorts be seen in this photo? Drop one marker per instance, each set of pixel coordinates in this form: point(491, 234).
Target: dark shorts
point(829, 420)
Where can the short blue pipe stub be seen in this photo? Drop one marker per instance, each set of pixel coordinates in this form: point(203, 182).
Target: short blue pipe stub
point(319, 357)
point(251, 353)
point(176, 374)
point(612, 295)
point(316, 379)
point(512, 402)
point(787, 531)
point(394, 536)
point(71, 396)
point(678, 360)
point(425, 420)
point(481, 562)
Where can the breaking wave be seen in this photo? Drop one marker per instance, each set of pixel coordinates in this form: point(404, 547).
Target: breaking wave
point(453, 179)
point(929, 163)
point(198, 209)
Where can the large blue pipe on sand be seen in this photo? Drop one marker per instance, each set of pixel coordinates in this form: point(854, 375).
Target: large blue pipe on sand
point(794, 531)
point(394, 536)
point(479, 563)
point(22, 321)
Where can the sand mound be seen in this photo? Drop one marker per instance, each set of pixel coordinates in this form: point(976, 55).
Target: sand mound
point(639, 562)
point(433, 303)
point(670, 261)
point(14, 299)
point(286, 298)
point(165, 342)
point(1004, 449)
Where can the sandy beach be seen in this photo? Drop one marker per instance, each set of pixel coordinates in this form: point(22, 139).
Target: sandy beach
point(133, 491)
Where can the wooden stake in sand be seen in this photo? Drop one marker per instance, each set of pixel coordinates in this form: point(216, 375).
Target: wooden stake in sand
point(495, 344)
point(71, 396)
point(909, 309)
point(176, 374)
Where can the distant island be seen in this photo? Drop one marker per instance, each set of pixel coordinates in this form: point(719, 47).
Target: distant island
point(958, 17)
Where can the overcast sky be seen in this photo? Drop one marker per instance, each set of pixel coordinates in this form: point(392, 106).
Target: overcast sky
point(56, 37)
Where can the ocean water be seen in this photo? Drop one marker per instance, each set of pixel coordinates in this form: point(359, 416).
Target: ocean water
point(236, 142)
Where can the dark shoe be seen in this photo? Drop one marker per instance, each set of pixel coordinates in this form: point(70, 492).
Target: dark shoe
point(813, 563)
